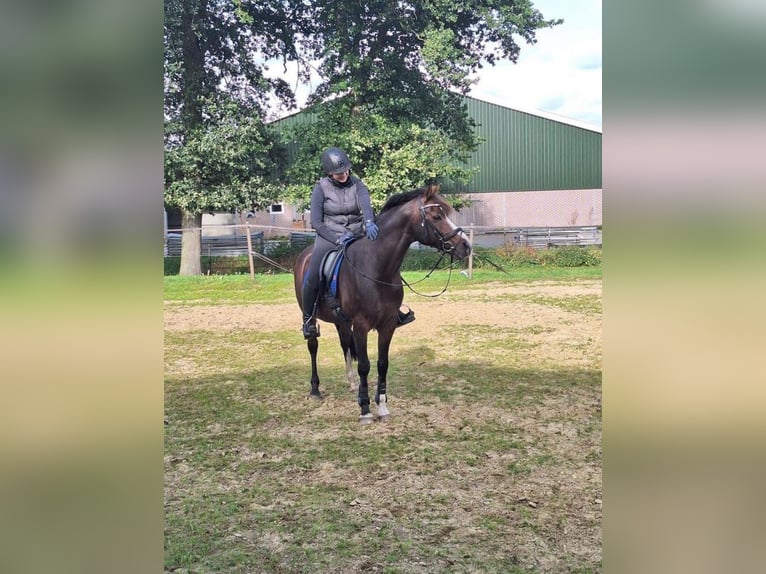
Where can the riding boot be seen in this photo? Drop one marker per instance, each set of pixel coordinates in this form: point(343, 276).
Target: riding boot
point(309, 299)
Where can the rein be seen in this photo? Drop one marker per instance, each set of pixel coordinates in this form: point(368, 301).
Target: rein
point(404, 281)
point(449, 277)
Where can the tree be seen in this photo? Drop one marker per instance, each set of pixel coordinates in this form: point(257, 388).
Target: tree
point(393, 75)
point(228, 163)
point(219, 156)
point(390, 155)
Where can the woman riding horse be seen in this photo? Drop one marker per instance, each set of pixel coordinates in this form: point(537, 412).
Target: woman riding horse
point(340, 209)
point(370, 288)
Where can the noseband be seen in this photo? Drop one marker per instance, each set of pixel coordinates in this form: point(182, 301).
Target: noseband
point(446, 246)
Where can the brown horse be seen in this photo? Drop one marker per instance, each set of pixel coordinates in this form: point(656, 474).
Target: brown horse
point(370, 285)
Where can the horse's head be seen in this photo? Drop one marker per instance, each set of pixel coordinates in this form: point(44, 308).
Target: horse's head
point(435, 228)
point(429, 219)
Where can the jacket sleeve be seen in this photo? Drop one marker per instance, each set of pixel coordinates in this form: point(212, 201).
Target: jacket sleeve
point(317, 215)
point(363, 195)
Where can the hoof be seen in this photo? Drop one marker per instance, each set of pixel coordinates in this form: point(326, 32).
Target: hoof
point(365, 419)
point(315, 397)
point(384, 418)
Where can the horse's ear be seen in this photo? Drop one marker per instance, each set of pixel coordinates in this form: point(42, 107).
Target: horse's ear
point(432, 188)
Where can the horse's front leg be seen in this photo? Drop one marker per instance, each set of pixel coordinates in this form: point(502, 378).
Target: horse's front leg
point(313, 346)
point(363, 368)
point(384, 343)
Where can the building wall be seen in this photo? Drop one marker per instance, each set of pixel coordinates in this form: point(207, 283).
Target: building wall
point(272, 224)
point(521, 150)
point(553, 208)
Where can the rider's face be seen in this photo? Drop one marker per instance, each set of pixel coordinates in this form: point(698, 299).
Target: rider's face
point(340, 177)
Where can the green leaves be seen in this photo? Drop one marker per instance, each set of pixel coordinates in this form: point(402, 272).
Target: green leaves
point(390, 155)
point(218, 154)
point(230, 162)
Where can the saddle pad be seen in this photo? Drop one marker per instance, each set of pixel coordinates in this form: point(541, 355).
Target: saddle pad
point(331, 269)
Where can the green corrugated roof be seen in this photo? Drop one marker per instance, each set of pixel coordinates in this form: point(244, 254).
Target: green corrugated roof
point(524, 151)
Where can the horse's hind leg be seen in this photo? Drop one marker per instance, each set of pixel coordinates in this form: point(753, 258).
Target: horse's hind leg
point(313, 346)
point(349, 355)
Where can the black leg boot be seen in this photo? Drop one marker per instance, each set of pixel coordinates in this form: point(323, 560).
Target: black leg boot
point(309, 299)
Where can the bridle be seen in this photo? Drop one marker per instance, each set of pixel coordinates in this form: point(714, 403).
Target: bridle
point(446, 246)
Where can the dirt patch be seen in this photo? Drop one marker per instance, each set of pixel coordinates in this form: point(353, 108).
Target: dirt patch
point(575, 340)
point(229, 317)
point(464, 307)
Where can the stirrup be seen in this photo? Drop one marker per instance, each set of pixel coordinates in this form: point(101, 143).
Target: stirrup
point(404, 318)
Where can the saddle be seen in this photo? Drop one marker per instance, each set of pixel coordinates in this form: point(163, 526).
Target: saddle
point(329, 269)
point(328, 277)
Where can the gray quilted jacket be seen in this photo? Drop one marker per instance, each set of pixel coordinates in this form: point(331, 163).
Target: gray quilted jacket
point(337, 208)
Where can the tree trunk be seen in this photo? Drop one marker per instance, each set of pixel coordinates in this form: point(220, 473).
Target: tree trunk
point(191, 116)
point(191, 244)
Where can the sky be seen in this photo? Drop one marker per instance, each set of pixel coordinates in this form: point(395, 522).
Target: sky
point(559, 75)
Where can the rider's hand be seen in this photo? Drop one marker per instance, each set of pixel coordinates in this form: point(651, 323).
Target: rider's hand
point(371, 229)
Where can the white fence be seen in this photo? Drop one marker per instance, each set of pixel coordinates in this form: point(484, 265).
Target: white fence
point(236, 242)
point(537, 237)
point(223, 245)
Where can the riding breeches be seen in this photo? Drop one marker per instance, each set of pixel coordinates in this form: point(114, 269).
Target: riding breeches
point(312, 279)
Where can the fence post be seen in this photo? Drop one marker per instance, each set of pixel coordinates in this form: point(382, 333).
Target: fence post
point(470, 256)
point(250, 252)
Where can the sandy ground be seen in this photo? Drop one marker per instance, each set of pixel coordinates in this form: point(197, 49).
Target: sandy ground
point(531, 309)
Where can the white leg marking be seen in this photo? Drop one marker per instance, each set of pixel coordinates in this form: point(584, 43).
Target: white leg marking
point(353, 382)
point(382, 408)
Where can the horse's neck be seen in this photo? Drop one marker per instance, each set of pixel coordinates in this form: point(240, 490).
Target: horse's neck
point(391, 247)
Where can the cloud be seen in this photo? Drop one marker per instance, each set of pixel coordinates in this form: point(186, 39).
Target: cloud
point(554, 103)
point(590, 61)
point(561, 73)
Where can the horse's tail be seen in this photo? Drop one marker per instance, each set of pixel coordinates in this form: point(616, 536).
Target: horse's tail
point(352, 350)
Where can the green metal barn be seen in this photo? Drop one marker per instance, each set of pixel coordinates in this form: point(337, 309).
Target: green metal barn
point(539, 179)
point(526, 151)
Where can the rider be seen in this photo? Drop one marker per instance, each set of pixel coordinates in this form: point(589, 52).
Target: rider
point(340, 210)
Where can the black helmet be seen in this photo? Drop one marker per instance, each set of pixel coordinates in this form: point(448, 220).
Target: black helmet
point(335, 160)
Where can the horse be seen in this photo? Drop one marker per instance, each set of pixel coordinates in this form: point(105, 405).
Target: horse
point(369, 286)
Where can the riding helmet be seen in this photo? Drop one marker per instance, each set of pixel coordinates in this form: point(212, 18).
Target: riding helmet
point(335, 160)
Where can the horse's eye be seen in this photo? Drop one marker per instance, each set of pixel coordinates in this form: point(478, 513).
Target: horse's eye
point(437, 217)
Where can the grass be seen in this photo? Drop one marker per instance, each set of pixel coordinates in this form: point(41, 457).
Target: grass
point(473, 474)
point(229, 289)
point(278, 288)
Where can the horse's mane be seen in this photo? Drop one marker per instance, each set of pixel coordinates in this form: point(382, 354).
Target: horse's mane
point(406, 196)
